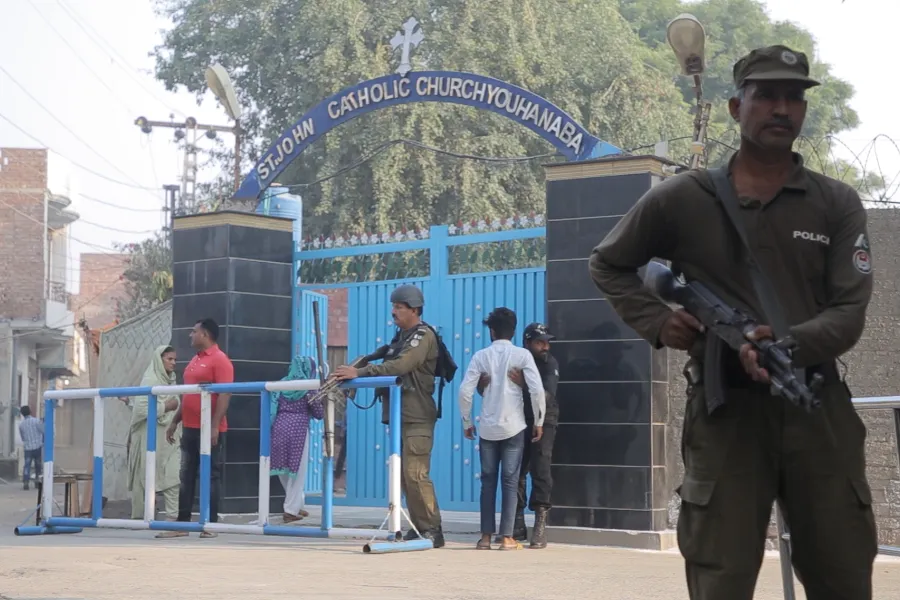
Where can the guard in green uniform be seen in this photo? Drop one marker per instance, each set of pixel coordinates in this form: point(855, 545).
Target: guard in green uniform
point(809, 236)
point(413, 355)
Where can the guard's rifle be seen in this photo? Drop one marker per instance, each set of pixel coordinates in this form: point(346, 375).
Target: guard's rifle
point(731, 327)
point(331, 382)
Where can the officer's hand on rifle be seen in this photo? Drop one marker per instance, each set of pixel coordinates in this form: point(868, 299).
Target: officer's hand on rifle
point(470, 433)
point(680, 330)
point(749, 356)
point(344, 373)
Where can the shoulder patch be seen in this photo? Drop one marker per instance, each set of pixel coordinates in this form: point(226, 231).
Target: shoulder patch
point(414, 343)
point(862, 262)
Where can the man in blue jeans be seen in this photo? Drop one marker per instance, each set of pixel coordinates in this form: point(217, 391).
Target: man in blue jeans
point(31, 430)
point(503, 430)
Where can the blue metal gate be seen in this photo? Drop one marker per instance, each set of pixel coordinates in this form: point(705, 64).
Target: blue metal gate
point(305, 344)
point(464, 276)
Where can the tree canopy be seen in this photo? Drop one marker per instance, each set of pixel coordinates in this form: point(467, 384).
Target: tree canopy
point(148, 276)
point(605, 62)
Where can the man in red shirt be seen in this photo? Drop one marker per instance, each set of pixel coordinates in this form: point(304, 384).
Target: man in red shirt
point(210, 365)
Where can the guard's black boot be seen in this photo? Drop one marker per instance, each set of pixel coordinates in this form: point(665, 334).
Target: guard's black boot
point(410, 535)
point(520, 529)
point(436, 536)
point(539, 533)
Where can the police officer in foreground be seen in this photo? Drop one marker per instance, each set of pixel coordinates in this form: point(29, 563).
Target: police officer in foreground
point(537, 457)
point(809, 236)
point(412, 355)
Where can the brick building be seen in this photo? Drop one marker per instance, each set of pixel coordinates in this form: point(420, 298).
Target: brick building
point(96, 299)
point(38, 341)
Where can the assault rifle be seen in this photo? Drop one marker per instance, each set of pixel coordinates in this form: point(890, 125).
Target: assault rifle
point(359, 362)
point(731, 327)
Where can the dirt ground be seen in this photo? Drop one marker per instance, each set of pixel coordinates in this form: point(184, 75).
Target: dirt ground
point(104, 564)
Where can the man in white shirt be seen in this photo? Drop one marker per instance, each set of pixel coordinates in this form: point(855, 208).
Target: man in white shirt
point(502, 420)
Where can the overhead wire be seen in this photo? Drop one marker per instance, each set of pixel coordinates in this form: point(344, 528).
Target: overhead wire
point(77, 55)
point(110, 51)
point(63, 323)
point(65, 126)
point(74, 163)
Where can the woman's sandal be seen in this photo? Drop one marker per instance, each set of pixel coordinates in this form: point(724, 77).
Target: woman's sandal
point(483, 545)
point(516, 546)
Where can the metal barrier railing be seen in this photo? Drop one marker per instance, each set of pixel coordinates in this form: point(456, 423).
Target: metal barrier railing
point(390, 540)
point(784, 535)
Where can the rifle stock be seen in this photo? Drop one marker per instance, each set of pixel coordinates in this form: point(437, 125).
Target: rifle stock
point(731, 327)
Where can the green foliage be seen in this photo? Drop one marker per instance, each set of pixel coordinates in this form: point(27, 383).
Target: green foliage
point(148, 277)
point(734, 28)
point(606, 62)
point(287, 55)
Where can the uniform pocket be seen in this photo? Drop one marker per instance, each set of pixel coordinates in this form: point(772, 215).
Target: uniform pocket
point(419, 445)
point(706, 439)
point(862, 490)
point(695, 491)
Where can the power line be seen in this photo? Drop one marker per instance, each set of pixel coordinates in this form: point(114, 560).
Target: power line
point(71, 237)
point(63, 323)
point(75, 164)
point(78, 56)
point(402, 141)
point(119, 206)
point(63, 124)
point(111, 52)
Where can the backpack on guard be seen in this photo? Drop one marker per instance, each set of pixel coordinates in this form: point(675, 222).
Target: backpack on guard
point(445, 369)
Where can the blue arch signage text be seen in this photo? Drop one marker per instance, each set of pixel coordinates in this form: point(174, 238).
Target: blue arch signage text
point(528, 109)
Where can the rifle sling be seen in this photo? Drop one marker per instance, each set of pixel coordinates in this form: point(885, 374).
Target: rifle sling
point(765, 292)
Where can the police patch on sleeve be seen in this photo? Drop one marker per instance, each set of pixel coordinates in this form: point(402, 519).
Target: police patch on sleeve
point(414, 343)
point(862, 262)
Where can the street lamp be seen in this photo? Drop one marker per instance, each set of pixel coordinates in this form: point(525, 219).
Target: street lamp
point(219, 83)
point(687, 38)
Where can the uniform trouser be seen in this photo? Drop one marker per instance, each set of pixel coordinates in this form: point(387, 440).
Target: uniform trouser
point(757, 449)
point(417, 443)
point(190, 469)
point(536, 461)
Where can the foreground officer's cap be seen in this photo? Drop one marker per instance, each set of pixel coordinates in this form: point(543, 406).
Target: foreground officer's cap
point(538, 331)
point(773, 63)
point(409, 295)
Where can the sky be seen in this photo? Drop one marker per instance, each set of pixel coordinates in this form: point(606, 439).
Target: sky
point(75, 74)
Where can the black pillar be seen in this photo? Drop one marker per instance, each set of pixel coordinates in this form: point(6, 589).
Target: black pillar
point(611, 484)
point(236, 268)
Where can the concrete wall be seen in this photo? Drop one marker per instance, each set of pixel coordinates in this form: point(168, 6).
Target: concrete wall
point(873, 370)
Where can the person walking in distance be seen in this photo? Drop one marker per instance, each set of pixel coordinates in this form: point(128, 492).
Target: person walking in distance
point(413, 356)
point(502, 438)
point(790, 247)
point(537, 458)
point(209, 365)
point(31, 430)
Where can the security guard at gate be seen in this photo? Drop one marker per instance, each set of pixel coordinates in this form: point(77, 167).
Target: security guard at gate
point(413, 356)
point(808, 235)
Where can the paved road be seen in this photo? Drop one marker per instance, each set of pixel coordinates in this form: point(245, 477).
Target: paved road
point(115, 565)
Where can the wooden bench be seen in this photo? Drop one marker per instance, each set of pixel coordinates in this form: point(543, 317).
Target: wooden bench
point(72, 507)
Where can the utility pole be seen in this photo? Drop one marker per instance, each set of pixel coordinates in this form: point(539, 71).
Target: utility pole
point(171, 202)
point(188, 132)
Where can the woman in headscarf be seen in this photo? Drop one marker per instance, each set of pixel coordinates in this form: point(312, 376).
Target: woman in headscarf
point(168, 456)
point(291, 412)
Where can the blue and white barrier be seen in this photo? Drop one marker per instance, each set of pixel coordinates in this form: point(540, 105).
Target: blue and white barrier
point(390, 540)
